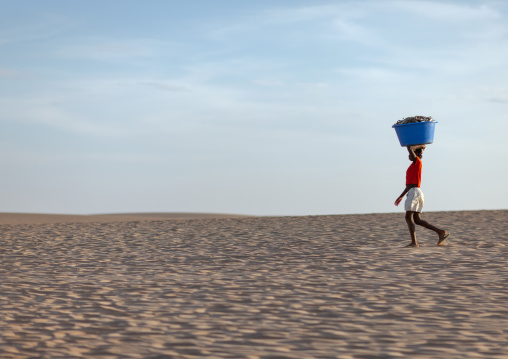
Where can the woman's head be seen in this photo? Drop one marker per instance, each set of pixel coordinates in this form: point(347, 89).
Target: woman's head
point(416, 150)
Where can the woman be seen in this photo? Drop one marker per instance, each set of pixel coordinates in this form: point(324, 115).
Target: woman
point(414, 201)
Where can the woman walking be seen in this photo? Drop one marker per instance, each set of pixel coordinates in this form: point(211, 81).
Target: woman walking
point(414, 200)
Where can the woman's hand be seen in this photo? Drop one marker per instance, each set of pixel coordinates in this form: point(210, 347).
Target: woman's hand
point(397, 201)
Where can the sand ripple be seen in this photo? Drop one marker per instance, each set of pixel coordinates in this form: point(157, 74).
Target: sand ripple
point(284, 287)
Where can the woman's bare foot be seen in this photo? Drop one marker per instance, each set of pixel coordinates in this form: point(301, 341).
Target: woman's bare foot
point(412, 245)
point(442, 238)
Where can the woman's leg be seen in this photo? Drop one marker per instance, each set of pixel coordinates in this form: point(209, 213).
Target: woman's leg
point(440, 232)
point(412, 228)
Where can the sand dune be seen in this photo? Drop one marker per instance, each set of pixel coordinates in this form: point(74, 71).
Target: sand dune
point(38, 218)
point(256, 287)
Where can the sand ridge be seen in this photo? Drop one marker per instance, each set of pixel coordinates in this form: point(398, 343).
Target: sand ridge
point(256, 287)
point(42, 218)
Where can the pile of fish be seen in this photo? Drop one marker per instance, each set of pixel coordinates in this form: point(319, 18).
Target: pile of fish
point(414, 119)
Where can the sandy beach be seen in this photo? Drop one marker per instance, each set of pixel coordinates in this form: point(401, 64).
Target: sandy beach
point(41, 218)
point(338, 286)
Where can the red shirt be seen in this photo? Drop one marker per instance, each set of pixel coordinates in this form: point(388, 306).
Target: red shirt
point(414, 173)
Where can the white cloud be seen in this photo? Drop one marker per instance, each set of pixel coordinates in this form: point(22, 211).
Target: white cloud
point(289, 19)
point(41, 28)
point(52, 112)
point(164, 85)
point(114, 49)
point(448, 11)
point(11, 74)
point(353, 30)
point(269, 82)
point(495, 94)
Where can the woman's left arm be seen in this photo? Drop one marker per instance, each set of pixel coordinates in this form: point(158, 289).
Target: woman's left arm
point(406, 190)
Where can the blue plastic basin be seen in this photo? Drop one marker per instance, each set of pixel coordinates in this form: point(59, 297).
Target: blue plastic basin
point(418, 133)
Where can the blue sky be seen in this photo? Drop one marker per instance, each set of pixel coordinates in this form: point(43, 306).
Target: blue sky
point(250, 107)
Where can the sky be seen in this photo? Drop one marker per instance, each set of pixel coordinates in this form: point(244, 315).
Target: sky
point(266, 107)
